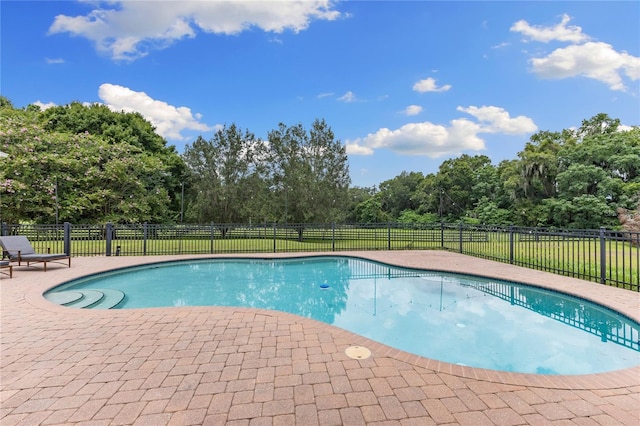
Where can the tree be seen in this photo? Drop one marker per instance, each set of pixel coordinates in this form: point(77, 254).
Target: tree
point(599, 174)
point(370, 211)
point(308, 174)
point(98, 119)
point(411, 216)
point(223, 177)
point(297, 176)
point(617, 153)
point(78, 177)
point(5, 103)
point(456, 180)
point(582, 212)
point(330, 178)
point(116, 128)
point(539, 162)
point(356, 196)
point(489, 213)
point(399, 194)
point(599, 124)
point(581, 179)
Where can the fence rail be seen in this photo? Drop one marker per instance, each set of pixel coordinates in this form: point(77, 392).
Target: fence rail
point(601, 255)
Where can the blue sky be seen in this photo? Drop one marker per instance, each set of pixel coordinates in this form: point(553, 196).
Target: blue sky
point(405, 85)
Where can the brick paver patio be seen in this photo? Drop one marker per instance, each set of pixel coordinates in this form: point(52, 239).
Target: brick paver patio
point(233, 366)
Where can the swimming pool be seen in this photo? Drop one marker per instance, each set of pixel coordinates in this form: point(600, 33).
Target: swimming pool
point(450, 317)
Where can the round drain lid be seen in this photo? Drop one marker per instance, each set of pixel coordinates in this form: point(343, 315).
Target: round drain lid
point(357, 352)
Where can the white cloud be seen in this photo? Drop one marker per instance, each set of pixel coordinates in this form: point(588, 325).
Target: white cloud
point(559, 32)
point(429, 85)
point(325, 95)
point(118, 29)
point(54, 61)
point(348, 97)
point(169, 120)
point(412, 110)
point(356, 148)
point(595, 60)
point(501, 45)
point(497, 120)
point(428, 139)
point(436, 140)
point(43, 105)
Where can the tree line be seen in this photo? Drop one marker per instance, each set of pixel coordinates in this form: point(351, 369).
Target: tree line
point(88, 164)
point(574, 178)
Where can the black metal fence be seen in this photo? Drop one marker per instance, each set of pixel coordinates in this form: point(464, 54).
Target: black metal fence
point(604, 256)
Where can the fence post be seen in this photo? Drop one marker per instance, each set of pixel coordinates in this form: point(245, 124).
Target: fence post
point(274, 237)
point(333, 236)
point(460, 237)
point(213, 237)
point(67, 238)
point(441, 234)
point(388, 235)
point(603, 257)
point(4, 229)
point(144, 239)
point(108, 229)
point(511, 246)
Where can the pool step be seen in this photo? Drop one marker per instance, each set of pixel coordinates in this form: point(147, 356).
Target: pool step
point(87, 299)
point(112, 298)
point(63, 297)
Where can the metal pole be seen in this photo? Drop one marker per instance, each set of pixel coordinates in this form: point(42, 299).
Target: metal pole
point(56, 194)
point(67, 238)
point(182, 202)
point(274, 237)
point(144, 236)
point(511, 244)
point(603, 257)
point(108, 232)
point(333, 236)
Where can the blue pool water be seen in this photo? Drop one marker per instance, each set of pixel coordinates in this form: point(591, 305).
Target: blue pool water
point(454, 318)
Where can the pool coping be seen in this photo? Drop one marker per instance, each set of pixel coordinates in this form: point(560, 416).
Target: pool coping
point(623, 301)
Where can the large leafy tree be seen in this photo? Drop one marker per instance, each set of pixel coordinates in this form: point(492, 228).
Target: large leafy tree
point(600, 172)
point(56, 174)
point(117, 128)
point(539, 164)
point(400, 193)
point(225, 181)
point(308, 174)
point(356, 196)
point(370, 211)
point(457, 179)
point(577, 178)
point(297, 176)
point(330, 178)
point(98, 119)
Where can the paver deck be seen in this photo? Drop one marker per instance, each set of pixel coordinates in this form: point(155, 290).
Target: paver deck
point(235, 366)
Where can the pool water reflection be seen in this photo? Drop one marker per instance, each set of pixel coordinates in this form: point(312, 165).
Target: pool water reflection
point(454, 318)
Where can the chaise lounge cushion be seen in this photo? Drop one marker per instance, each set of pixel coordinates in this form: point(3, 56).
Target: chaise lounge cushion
point(19, 249)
